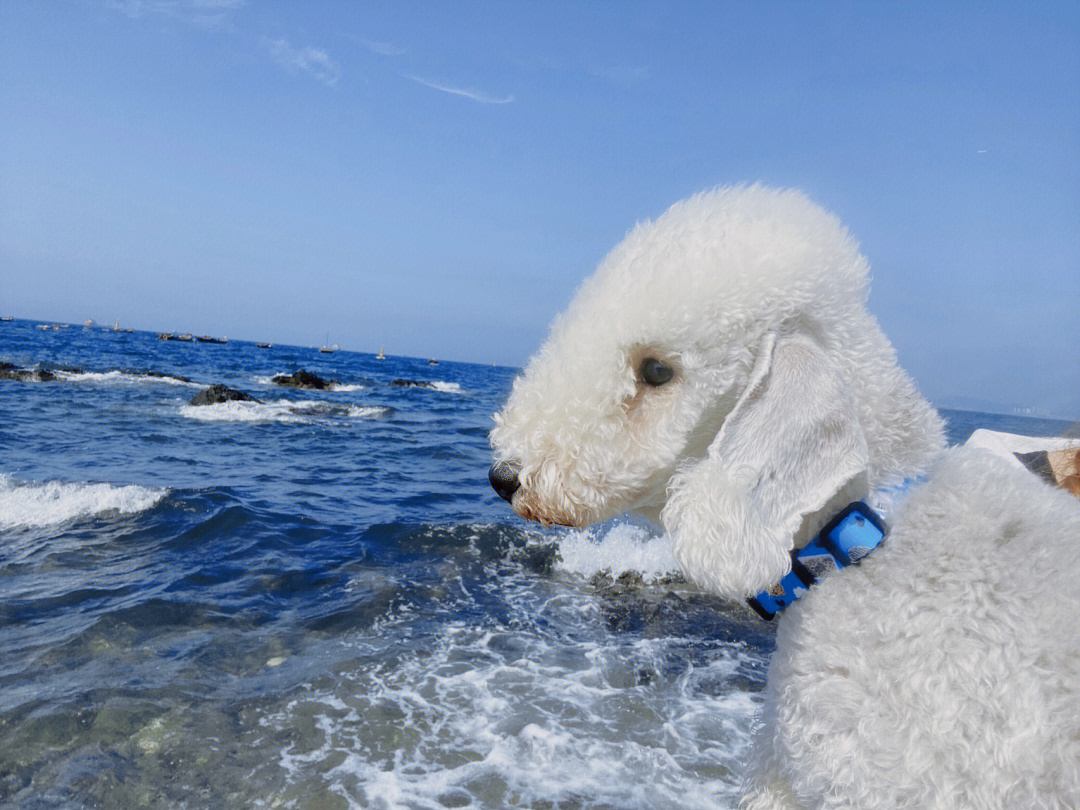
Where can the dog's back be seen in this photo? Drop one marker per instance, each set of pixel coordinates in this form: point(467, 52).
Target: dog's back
point(944, 672)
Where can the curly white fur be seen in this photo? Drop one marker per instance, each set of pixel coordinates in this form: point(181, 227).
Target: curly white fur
point(943, 671)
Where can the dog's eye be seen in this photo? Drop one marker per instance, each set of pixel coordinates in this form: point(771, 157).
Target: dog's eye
point(655, 373)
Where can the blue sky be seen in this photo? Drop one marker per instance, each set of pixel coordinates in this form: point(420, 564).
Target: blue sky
point(439, 177)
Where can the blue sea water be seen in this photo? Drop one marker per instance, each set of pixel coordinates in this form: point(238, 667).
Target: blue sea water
point(317, 601)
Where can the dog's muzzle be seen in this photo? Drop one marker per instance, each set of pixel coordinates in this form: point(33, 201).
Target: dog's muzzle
point(503, 476)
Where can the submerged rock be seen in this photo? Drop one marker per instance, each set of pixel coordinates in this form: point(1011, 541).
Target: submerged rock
point(303, 379)
point(220, 393)
point(411, 384)
point(160, 375)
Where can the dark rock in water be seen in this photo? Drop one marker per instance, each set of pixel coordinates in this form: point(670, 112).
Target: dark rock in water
point(411, 384)
point(8, 371)
point(220, 393)
point(668, 606)
point(303, 379)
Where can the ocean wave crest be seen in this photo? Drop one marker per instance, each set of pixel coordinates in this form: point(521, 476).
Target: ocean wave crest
point(49, 503)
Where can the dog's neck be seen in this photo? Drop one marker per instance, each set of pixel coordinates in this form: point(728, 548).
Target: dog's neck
point(854, 490)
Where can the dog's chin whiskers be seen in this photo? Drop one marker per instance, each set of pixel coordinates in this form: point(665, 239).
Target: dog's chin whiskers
point(549, 517)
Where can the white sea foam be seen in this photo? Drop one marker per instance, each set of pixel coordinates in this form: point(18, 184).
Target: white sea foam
point(624, 547)
point(484, 714)
point(51, 502)
point(347, 387)
point(447, 387)
point(368, 411)
point(486, 718)
point(122, 377)
point(281, 410)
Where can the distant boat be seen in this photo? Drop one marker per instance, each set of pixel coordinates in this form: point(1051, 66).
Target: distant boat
point(185, 338)
point(381, 355)
point(7, 318)
point(326, 348)
point(89, 322)
point(44, 327)
point(433, 362)
point(208, 339)
point(117, 328)
point(264, 345)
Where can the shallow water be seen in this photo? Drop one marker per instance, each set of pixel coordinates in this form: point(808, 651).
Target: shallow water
point(318, 602)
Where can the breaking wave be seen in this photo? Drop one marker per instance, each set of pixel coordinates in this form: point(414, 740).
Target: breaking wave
point(49, 503)
point(124, 377)
point(447, 387)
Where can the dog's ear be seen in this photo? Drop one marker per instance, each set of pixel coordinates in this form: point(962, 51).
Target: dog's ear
point(790, 447)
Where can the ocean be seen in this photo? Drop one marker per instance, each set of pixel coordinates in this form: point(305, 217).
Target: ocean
point(316, 601)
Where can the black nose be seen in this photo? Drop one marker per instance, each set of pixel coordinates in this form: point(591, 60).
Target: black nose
point(503, 476)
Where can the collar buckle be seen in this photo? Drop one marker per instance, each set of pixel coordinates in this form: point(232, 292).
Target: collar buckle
point(845, 540)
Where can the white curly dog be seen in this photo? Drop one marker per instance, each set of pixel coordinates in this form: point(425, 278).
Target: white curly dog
point(720, 374)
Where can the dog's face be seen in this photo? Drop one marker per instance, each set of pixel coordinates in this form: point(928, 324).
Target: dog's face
point(601, 416)
point(698, 362)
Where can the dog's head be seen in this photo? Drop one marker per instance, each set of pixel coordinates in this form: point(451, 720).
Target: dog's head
point(720, 373)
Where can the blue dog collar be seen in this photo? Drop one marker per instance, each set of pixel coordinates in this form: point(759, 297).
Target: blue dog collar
point(845, 541)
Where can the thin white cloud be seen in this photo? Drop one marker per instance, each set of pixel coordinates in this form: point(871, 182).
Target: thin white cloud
point(308, 59)
point(381, 48)
point(216, 16)
point(475, 95)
